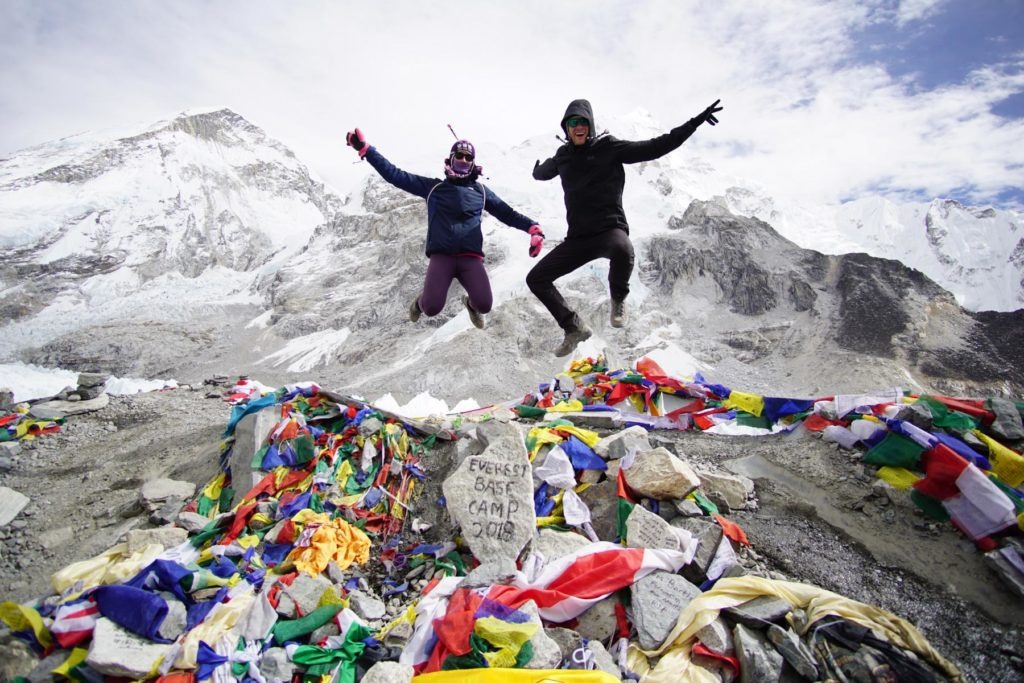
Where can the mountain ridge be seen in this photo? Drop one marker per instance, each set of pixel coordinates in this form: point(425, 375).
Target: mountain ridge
point(231, 256)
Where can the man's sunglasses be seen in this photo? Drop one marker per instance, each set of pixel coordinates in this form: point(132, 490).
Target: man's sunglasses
point(463, 156)
point(577, 121)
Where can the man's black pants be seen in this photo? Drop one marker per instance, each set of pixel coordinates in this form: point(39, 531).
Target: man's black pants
point(573, 254)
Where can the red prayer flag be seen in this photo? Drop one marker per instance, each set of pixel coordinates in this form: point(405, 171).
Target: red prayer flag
point(732, 530)
point(942, 465)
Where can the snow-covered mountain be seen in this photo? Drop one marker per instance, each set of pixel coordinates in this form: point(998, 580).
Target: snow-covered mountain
point(158, 224)
point(200, 245)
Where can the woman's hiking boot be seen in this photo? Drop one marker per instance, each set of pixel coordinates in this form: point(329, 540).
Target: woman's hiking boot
point(476, 318)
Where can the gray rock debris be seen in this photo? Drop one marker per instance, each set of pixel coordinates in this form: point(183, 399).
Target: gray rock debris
point(733, 489)
point(603, 659)
point(658, 599)
point(622, 443)
point(275, 665)
point(568, 641)
point(155, 492)
point(11, 503)
point(305, 592)
point(53, 410)
point(717, 637)
point(660, 475)
point(759, 612)
point(366, 606)
point(603, 501)
point(388, 672)
point(1007, 562)
point(1008, 425)
point(598, 622)
point(759, 662)
point(176, 620)
point(793, 650)
point(547, 654)
point(167, 536)
point(708, 537)
point(191, 522)
point(90, 380)
point(553, 544)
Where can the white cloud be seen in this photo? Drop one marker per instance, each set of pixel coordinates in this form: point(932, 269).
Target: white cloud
point(917, 10)
point(802, 115)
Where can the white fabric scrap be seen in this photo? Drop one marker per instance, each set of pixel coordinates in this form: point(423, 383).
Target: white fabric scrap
point(259, 619)
point(846, 403)
point(556, 469)
point(841, 435)
point(576, 511)
point(980, 508)
point(865, 429)
point(687, 543)
point(724, 558)
point(369, 453)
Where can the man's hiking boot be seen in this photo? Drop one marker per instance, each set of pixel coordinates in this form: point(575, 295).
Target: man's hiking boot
point(414, 310)
point(476, 318)
point(572, 338)
point(618, 317)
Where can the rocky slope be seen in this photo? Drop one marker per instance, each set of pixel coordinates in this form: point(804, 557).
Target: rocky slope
point(819, 518)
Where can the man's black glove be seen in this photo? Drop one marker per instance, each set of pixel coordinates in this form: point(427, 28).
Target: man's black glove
point(709, 113)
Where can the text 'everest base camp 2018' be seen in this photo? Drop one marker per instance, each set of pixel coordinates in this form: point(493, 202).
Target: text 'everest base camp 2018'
point(665, 517)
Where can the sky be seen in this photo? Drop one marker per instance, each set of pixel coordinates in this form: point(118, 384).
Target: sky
point(823, 101)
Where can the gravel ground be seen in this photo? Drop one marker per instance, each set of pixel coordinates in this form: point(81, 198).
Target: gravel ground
point(821, 518)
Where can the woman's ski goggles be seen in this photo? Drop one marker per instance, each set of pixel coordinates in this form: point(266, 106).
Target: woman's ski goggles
point(577, 121)
point(464, 156)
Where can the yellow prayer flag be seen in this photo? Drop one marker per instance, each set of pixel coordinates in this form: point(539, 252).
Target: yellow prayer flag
point(748, 403)
point(1007, 463)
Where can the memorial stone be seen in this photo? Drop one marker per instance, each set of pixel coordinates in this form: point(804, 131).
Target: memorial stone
point(658, 599)
point(490, 496)
point(117, 652)
point(644, 529)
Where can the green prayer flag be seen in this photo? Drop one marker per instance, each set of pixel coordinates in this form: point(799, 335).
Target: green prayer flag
point(530, 411)
point(226, 494)
point(305, 449)
point(942, 416)
point(257, 457)
point(704, 504)
point(929, 506)
point(290, 630)
point(205, 504)
point(621, 514)
point(896, 451)
point(745, 419)
point(525, 655)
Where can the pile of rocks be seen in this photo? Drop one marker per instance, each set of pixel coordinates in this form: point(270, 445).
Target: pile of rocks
point(486, 509)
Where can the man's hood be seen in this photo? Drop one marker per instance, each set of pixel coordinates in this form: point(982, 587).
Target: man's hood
point(580, 108)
